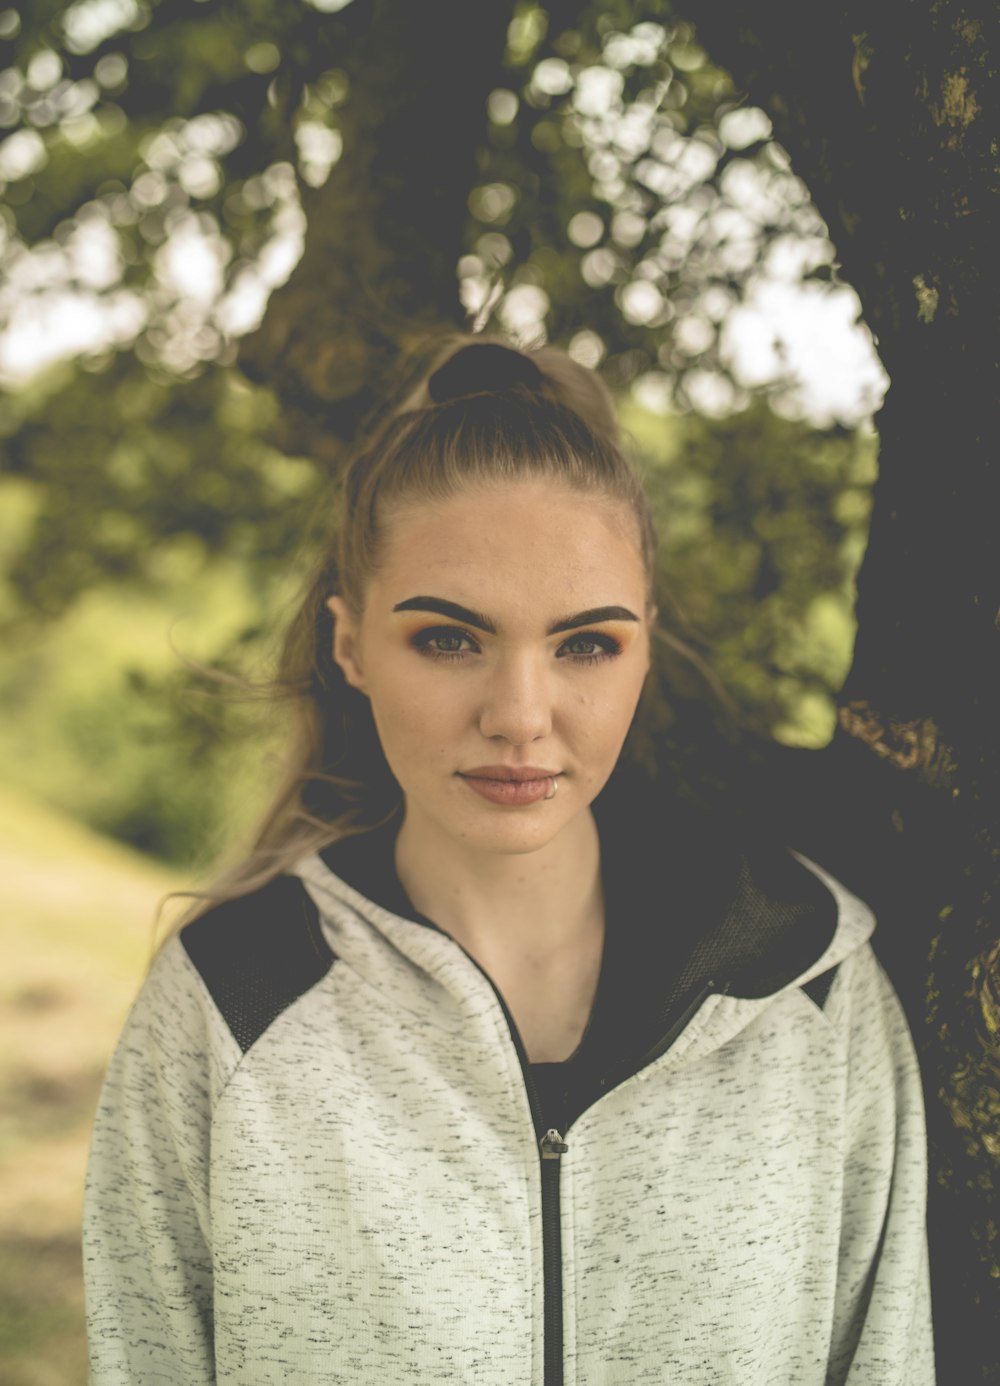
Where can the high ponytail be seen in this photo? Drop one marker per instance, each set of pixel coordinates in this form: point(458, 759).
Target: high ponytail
point(467, 364)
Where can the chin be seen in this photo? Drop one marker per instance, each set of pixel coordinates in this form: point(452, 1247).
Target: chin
point(507, 833)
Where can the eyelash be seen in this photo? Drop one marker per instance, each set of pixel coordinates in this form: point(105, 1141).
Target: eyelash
point(612, 648)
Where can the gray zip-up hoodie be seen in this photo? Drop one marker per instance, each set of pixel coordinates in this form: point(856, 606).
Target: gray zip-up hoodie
point(321, 1154)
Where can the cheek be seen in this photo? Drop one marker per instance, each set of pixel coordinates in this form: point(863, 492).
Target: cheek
point(409, 704)
point(601, 719)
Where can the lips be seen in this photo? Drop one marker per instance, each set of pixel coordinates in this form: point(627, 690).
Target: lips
point(511, 793)
point(516, 773)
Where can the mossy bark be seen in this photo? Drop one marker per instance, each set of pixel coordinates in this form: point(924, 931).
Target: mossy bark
point(890, 116)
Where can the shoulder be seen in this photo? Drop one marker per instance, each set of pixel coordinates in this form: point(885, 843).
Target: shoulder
point(258, 953)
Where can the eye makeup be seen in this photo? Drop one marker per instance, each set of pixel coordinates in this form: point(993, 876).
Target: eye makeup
point(423, 642)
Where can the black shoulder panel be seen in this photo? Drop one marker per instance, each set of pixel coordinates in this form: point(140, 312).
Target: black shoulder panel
point(259, 953)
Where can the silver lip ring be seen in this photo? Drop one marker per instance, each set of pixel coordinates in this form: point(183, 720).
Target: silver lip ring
point(555, 786)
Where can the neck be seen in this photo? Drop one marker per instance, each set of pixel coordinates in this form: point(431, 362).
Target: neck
point(530, 907)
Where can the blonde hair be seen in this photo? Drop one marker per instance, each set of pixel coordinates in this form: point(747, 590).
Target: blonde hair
point(475, 418)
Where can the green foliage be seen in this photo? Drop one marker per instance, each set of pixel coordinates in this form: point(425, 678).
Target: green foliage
point(763, 522)
point(104, 720)
point(129, 477)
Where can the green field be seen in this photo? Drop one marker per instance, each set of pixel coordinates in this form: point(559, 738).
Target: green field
point(77, 924)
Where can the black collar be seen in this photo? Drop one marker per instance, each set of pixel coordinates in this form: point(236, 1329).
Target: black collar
point(692, 897)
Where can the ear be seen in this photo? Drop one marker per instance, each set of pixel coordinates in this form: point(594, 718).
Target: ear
point(346, 643)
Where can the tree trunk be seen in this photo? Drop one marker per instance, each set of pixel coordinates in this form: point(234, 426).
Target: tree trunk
point(384, 233)
point(891, 119)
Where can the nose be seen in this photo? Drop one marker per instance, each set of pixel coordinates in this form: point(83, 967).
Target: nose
point(517, 703)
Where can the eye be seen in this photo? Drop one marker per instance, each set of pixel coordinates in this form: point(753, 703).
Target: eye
point(424, 642)
point(443, 642)
point(608, 646)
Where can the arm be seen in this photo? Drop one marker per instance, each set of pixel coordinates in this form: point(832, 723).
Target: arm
point(146, 1235)
point(882, 1324)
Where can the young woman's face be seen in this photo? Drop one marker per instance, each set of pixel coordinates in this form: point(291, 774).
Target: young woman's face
point(448, 697)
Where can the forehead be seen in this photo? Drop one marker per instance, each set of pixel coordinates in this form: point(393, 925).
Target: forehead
point(511, 537)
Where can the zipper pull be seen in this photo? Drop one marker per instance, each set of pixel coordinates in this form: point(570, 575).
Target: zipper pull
point(553, 1145)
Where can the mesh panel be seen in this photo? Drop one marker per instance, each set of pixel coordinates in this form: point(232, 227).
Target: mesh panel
point(259, 953)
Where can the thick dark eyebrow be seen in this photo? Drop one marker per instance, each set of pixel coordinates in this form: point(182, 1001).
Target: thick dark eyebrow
point(481, 622)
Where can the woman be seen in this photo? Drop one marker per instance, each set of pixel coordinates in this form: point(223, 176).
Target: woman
point(492, 1065)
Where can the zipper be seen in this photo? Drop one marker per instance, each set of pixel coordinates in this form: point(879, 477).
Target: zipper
point(552, 1147)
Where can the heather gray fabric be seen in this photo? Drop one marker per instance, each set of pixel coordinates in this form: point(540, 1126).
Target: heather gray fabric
point(355, 1198)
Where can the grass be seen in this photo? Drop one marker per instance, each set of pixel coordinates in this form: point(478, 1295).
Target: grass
point(77, 934)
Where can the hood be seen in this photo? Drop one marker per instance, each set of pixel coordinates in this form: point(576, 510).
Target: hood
point(699, 904)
